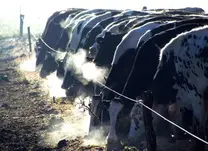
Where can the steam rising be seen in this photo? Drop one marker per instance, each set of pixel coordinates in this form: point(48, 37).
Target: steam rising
point(29, 64)
point(97, 138)
point(76, 124)
point(88, 70)
point(52, 84)
point(76, 118)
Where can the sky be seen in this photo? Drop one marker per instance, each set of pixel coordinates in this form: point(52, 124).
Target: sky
point(37, 11)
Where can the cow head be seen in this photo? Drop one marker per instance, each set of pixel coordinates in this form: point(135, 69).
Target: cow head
point(49, 65)
point(68, 80)
point(40, 51)
point(72, 91)
point(60, 69)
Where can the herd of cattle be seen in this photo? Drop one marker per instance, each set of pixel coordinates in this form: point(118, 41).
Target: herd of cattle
point(158, 56)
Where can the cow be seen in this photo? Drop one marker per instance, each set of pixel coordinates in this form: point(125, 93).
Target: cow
point(181, 77)
point(57, 49)
point(141, 78)
point(66, 83)
point(128, 51)
point(99, 27)
point(103, 47)
point(109, 37)
point(49, 60)
point(93, 22)
point(128, 43)
point(71, 24)
point(106, 45)
point(53, 27)
point(107, 61)
point(87, 11)
point(104, 58)
point(51, 63)
point(64, 39)
point(86, 26)
point(68, 79)
point(39, 43)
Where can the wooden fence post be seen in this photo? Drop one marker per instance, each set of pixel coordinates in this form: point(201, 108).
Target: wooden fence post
point(21, 24)
point(29, 39)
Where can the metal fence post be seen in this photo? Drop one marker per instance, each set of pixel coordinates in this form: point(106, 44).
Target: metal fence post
point(29, 39)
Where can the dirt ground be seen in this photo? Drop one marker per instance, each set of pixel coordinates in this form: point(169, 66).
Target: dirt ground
point(27, 114)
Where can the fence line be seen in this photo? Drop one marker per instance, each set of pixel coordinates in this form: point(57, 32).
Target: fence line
point(138, 101)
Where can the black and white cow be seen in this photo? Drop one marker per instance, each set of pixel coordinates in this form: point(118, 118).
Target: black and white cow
point(98, 20)
point(140, 79)
point(51, 34)
point(72, 23)
point(88, 11)
point(40, 45)
point(58, 46)
point(86, 26)
point(107, 49)
point(126, 49)
point(64, 40)
point(99, 27)
point(103, 49)
point(104, 42)
point(181, 77)
point(61, 45)
point(66, 82)
point(128, 43)
point(96, 30)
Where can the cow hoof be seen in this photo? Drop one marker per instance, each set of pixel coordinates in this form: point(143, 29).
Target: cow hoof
point(113, 145)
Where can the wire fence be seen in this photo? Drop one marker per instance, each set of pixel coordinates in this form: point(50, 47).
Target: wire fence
point(133, 100)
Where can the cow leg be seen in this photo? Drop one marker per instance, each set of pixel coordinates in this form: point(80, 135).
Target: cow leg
point(174, 116)
point(205, 102)
point(199, 125)
point(94, 115)
point(136, 135)
point(114, 109)
point(97, 89)
point(199, 131)
point(147, 115)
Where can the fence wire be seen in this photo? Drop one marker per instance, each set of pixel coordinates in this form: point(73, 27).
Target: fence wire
point(136, 101)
